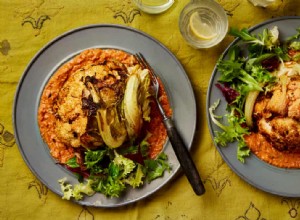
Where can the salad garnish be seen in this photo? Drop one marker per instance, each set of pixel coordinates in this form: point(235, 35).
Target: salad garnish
point(110, 171)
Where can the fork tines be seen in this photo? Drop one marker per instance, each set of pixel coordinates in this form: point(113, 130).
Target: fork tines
point(141, 59)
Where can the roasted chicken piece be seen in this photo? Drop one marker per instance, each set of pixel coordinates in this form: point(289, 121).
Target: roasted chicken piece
point(282, 132)
point(277, 114)
point(294, 98)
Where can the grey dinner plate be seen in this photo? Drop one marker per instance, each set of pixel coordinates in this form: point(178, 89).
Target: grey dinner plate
point(278, 181)
point(36, 153)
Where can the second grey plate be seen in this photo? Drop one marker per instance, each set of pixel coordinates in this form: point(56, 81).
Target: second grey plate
point(278, 181)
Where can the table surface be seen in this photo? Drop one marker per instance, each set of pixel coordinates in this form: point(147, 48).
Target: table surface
point(26, 26)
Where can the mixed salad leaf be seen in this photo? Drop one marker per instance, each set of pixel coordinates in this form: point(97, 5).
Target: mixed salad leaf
point(243, 75)
point(110, 171)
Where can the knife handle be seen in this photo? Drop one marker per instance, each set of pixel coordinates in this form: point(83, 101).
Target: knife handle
point(184, 157)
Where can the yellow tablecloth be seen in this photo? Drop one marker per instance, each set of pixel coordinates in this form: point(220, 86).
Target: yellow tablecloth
point(26, 26)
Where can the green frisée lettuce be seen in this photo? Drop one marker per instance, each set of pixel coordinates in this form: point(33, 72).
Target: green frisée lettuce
point(77, 191)
point(232, 131)
point(267, 39)
point(156, 168)
point(246, 72)
point(110, 172)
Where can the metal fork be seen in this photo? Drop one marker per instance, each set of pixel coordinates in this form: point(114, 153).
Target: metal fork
point(177, 143)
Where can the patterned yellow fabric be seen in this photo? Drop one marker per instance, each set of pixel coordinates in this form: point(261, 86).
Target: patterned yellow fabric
point(26, 26)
